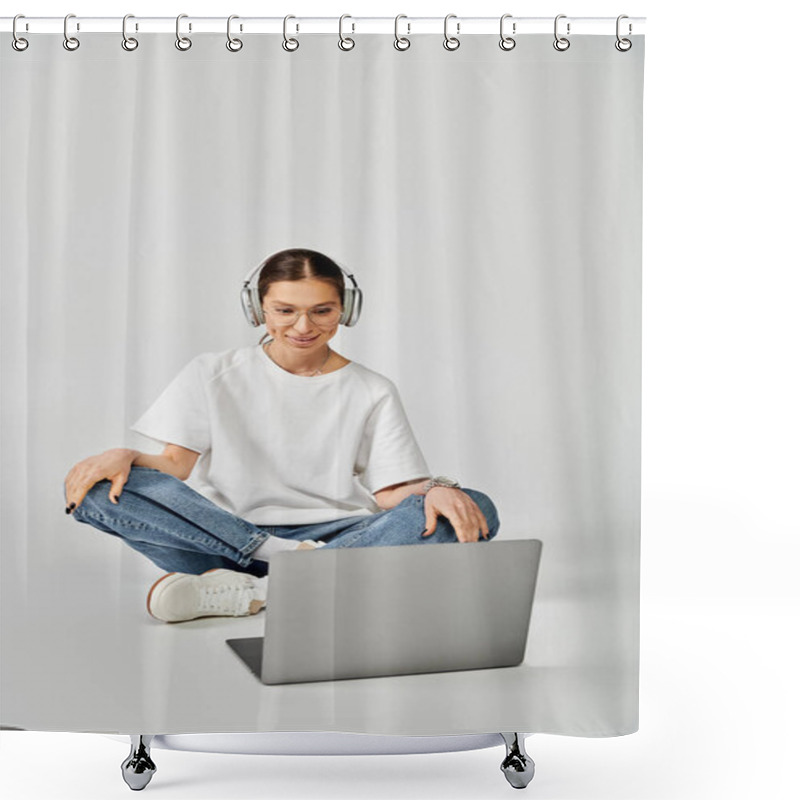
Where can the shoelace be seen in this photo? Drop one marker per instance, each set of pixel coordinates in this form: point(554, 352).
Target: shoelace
point(228, 599)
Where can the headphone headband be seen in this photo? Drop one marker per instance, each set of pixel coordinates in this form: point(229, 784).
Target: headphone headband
point(253, 312)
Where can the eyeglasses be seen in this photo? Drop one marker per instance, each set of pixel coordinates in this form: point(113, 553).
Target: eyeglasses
point(325, 317)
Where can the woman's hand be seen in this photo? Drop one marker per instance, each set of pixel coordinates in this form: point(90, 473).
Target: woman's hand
point(113, 465)
point(463, 512)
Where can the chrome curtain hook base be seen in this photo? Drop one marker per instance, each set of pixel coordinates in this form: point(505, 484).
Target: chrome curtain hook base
point(138, 768)
point(517, 766)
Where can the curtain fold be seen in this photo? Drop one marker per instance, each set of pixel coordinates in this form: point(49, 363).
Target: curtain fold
point(489, 204)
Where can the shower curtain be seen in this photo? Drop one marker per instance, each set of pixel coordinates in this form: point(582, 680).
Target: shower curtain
point(487, 201)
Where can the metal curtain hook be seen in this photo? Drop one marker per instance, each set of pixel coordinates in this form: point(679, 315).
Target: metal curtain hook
point(128, 42)
point(400, 42)
point(289, 44)
point(18, 43)
point(234, 45)
point(507, 42)
point(345, 42)
point(70, 42)
point(451, 42)
point(182, 42)
point(623, 45)
point(561, 43)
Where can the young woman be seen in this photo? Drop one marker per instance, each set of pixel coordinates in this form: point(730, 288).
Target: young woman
point(289, 445)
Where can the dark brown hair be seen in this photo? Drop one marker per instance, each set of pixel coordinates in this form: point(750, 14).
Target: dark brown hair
point(294, 265)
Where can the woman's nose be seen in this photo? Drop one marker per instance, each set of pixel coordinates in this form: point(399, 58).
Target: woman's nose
point(303, 322)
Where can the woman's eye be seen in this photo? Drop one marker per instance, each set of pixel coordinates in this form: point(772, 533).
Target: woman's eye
point(283, 311)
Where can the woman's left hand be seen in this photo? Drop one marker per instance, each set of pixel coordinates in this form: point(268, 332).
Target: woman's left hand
point(463, 512)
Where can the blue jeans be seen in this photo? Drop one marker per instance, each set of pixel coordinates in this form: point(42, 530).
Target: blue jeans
point(179, 530)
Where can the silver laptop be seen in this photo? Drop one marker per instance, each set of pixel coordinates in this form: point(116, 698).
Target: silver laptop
point(363, 612)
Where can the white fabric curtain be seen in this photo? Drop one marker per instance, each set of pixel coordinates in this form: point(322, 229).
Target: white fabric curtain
point(489, 205)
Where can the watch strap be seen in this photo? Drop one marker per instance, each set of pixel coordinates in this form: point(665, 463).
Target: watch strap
point(440, 480)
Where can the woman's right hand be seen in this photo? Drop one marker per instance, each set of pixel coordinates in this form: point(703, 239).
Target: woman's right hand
point(113, 465)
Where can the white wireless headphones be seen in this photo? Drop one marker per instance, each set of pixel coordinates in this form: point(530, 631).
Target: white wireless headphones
point(254, 313)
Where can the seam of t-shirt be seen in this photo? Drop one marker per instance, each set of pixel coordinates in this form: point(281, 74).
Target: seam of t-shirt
point(368, 382)
point(218, 370)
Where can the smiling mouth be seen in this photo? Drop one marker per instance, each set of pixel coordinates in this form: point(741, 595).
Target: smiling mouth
point(296, 339)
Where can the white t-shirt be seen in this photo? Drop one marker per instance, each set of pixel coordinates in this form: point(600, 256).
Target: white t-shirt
point(284, 449)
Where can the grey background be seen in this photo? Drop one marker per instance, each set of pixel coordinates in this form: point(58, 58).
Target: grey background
point(489, 205)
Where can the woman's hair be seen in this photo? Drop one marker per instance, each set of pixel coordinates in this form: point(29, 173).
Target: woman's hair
point(294, 265)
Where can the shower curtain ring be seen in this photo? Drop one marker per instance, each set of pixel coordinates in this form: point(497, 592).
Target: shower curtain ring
point(18, 43)
point(70, 42)
point(289, 44)
point(182, 42)
point(623, 45)
point(507, 42)
point(451, 42)
point(561, 43)
point(400, 42)
point(234, 45)
point(351, 43)
point(128, 42)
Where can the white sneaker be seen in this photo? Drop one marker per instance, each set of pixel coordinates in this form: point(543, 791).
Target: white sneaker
point(309, 544)
point(178, 596)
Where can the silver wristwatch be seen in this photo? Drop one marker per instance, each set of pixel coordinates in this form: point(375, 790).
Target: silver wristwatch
point(440, 480)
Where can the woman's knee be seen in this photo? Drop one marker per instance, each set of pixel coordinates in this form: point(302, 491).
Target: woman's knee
point(488, 509)
point(142, 481)
point(152, 484)
point(96, 499)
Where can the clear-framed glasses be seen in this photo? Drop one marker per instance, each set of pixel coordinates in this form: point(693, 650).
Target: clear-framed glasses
point(322, 317)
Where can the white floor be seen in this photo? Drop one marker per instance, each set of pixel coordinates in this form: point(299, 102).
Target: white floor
point(719, 702)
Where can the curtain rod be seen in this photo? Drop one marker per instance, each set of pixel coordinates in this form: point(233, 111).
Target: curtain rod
point(457, 26)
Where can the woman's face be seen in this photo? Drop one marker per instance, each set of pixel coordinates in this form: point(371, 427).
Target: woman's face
point(312, 329)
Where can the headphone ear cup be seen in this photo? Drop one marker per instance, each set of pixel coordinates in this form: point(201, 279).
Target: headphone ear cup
point(251, 307)
point(251, 303)
point(356, 298)
point(258, 312)
point(244, 299)
point(347, 313)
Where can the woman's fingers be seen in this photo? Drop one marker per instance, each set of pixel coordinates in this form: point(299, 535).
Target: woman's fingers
point(117, 482)
point(71, 490)
point(78, 485)
point(76, 491)
point(483, 525)
point(471, 529)
point(468, 520)
point(461, 510)
point(478, 522)
point(113, 465)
